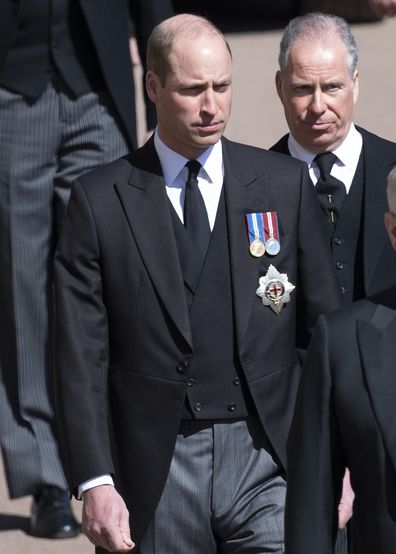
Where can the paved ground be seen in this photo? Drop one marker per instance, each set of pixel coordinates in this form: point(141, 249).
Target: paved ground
point(257, 119)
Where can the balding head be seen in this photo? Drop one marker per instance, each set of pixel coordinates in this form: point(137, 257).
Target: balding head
point(163, 36)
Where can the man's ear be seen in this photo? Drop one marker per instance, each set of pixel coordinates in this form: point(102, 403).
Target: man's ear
point(152, 84)
point(355, 86)
point(278, 83)
point(390, 224)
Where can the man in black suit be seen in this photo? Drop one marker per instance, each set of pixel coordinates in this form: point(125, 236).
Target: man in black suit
point(67, 105)
point(318, 87)
point(185, 334)
point(345, 416)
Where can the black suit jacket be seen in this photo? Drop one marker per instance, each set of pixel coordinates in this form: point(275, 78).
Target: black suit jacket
point(346, 417)
point(107, 22)
point(379, 261)
point(123, 321)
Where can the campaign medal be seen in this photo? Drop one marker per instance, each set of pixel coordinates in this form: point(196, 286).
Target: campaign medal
point(255, 228)
point(257, 248)
point(271, 230)
point(274, 289)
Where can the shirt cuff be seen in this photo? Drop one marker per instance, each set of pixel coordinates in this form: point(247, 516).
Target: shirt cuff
point(105, 479)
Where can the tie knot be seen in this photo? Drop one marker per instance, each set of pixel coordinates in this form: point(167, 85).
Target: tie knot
point(193, 167)
point(325, 162)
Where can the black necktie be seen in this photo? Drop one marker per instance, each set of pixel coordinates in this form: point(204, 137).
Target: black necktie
point(195, 214)
point(331, 191)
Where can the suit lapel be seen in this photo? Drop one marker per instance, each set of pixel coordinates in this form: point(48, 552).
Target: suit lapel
point(241, 197)
point(377, 344)
point(147, 209)
point(282, 145)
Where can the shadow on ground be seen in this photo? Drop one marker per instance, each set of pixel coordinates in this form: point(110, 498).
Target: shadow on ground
point(11, 522)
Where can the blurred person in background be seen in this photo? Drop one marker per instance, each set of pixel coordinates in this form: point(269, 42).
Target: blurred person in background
point(67, 104)
point(383, 8)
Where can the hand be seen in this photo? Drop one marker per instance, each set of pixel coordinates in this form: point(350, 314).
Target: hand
point(345, 507)
point(383, 8)
point(105, 519)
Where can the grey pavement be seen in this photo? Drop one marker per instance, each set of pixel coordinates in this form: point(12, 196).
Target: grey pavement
point(257, 119)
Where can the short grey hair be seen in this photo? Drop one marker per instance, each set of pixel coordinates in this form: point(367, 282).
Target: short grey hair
point(391, 191)
point(318, 26)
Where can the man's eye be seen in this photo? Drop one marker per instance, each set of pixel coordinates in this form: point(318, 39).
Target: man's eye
point(222, 88)
point(302, 89)
point(193, 90)
point(333, 87)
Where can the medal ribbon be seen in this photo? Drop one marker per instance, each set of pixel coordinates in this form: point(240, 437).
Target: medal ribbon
point(255, 227)
point(271, 225)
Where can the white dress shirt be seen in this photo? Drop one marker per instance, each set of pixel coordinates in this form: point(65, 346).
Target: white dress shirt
point(210, 177)
point(210, 183)
point(348, 153)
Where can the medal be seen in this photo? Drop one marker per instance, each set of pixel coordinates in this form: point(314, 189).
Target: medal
point(271, 230)
point(255, 228)
point(274, 289)
point(263, 234)
point(257, 248)
point(272, 246)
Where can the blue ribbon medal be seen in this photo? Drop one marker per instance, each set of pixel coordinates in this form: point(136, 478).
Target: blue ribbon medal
point(255, 228)
point(263, 233)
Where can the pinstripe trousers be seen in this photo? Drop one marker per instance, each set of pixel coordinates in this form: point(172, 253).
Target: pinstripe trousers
point(44, 145)
point(224, 493)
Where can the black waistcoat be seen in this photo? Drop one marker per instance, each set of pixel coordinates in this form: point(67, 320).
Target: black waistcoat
point(52, 36)
point(216, 388)
point(346, 240)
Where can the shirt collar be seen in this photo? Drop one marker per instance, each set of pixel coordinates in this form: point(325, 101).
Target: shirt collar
point(348, 152)
point(173, 163)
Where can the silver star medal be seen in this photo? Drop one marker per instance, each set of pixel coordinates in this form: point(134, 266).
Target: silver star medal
point(274, 289)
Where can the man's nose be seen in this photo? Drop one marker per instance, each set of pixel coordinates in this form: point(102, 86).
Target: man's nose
point(209, 104)
point(318, 103)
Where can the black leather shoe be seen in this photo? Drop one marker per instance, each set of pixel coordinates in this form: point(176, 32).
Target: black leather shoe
point(51, 516)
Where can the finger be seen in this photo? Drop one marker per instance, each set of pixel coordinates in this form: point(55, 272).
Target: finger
point(114, 541)
point(344, 515)
point(125, 529)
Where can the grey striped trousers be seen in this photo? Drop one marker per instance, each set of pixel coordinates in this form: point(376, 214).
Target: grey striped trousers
point(44, 145)
point(224, 493)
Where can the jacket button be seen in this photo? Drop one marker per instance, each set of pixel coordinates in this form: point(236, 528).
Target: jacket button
point(232, 407)
point(339, 265)
point(337, 241)
point(236, 381)
point(182, 367)
point(190, 382)
point(198, 407)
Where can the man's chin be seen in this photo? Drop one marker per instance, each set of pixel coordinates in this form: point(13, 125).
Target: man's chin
point(205, 139)
point(317, 142)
